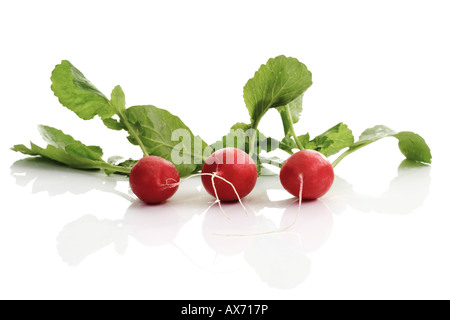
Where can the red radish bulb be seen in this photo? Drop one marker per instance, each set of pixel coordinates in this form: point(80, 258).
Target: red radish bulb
point(154, 179)
point(315, 170)
point(233, 165)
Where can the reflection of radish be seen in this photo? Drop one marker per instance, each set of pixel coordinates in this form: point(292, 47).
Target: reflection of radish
point(310, 169)
point(152, 228)
point(233, 165)
point(277, 264)
point(313, 226)
point(154, 179)
point(215, 225)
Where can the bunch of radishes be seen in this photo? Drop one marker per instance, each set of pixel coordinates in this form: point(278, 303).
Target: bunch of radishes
point(228, 170)
point(229, 174)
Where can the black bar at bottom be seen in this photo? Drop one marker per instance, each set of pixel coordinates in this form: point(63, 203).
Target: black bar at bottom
point(227, 309)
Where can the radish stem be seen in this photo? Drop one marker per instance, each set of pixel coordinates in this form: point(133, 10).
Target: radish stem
point(291, 128)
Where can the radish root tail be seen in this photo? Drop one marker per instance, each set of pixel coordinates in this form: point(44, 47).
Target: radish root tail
point(217, 196)
point(300, 194)
point(214, 175)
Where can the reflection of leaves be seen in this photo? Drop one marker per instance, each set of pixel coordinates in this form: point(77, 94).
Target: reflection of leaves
point(406, 192)
point(56, 179)
point(87, 235)
point(150, 225)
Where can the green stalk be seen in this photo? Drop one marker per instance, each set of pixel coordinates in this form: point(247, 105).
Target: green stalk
point(253, 138)
point(346, 153)
point(291, 128)
point(342, 156)
point(132, 132)
point(117, 168)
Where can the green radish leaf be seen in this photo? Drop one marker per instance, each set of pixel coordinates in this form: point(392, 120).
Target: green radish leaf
point(60, 140)
point(412, 146)
point(23, 149)
point(78, 94)
point(148, 127)
point(118, 104)
point(288, 144)
point(371, 135)
point(236, 138)
point(332, 141)
point(118, 161)
point(239, 137)
point(128, 163)
point(65, 149)
point(277, 83)
point(113, 124)
point(118, 99)
point(70, 157)
point(165, 135)
point(304, 139)
point(328, 143)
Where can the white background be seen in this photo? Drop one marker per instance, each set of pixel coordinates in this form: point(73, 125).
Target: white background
point(381, 232)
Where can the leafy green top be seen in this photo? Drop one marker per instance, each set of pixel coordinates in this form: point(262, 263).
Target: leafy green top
point(65, 149)
point(148, 127)
point(412, 145)
point(277, 83)
point(280, 83)
point(78, 94)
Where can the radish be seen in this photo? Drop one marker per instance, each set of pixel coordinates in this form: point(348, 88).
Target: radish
point(236, 172)
point(307, 175)
point(154, 179)
point(310, 170)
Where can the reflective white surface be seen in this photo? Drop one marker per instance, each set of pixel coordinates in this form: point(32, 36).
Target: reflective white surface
point(382, 231)
point(74, 234)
